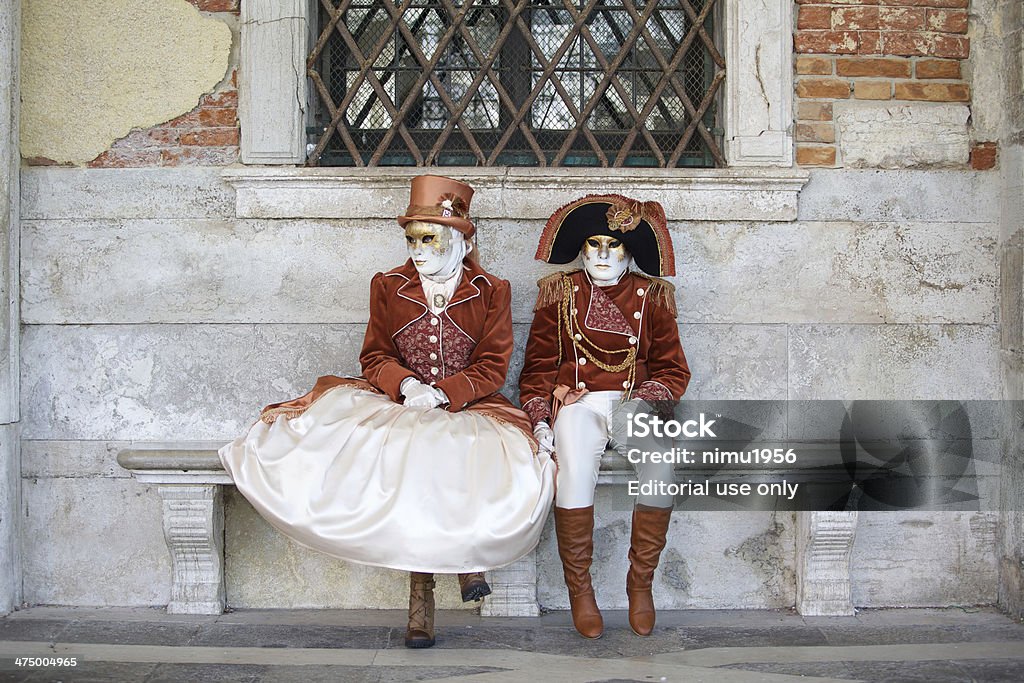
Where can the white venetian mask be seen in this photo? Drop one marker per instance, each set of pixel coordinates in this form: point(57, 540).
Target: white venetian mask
point(436, 250)
point(605, 259)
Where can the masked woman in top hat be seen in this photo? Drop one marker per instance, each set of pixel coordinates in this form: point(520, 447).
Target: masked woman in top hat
point(602, 335)
point(419, 465)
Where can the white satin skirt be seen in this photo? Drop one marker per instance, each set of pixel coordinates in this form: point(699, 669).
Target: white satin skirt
point(368, 480)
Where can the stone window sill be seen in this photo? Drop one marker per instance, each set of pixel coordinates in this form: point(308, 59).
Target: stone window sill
point(733, 194)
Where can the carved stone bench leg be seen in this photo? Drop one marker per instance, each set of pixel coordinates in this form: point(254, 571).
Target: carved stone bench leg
point(194, 531)
point(514, 590)
point(824, 544)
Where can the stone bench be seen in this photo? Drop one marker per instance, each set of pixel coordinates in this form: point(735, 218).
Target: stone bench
point(189, 478)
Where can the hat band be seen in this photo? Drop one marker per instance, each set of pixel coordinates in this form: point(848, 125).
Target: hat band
point(439, 211)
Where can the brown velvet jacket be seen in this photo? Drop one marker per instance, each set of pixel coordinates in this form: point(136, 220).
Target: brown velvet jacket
point(464, 351)
point(638, 311)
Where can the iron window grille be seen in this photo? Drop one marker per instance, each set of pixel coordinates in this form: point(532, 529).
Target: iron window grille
point(516, 83)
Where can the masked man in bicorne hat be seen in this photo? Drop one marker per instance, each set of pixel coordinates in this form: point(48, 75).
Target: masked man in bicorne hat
point(601, 335)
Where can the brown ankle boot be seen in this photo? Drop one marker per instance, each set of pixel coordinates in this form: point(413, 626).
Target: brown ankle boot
point(473, 586)
point(647, 540)
point(420, 632)
point(574, 529)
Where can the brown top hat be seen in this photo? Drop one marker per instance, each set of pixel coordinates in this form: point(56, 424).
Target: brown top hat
point(436, 199)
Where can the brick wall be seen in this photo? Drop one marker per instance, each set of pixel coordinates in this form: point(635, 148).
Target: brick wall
point(903, 50)
point(206, 136)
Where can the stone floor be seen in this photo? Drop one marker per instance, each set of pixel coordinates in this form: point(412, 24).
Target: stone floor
point(146, 645)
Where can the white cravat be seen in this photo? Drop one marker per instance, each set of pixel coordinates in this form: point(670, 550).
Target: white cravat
point(438, 294)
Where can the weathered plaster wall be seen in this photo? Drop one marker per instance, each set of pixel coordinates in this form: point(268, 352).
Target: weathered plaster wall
point(94, 71)
point(151, 313)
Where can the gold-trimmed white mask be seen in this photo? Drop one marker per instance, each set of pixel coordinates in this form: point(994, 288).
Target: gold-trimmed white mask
point(605, 259)
point(436, 250)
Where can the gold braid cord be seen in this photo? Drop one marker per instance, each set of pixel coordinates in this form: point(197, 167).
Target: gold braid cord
point(584, 343)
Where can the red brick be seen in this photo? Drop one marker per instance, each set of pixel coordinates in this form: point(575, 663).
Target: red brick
point(211, 137)
point(814, 65)
point(814, 111)
point(826, 42)
point(199, 156)
point(872, 90)
point(855, 18)
point(901, 18)
point(218, 116)
point(126, 158)
point(815, 132)
point(228, 98)
point(830, 88)
point(812, 155)
point(937, 68)
point(868, 66)
point(947, 21)
point(216, 5)
point(164, 137)
point(814, 16)
point(984, 156)
point(907, 44)
point(870, 42)
point(927, 3)
point(933, 92)
point(955, 47)
point(189, 120)
point(43, 161)
point(838, 2)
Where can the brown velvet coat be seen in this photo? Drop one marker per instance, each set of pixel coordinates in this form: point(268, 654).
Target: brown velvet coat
point(641, 313)
point(465, 353)
point(469, 345)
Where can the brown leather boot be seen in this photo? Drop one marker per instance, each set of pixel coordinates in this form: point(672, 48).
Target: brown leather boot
point(420, 632)
point(647, 540)
point(473, 586)
point(574, 529)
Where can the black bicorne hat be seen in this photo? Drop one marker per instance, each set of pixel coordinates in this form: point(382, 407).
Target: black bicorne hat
point(641, 226)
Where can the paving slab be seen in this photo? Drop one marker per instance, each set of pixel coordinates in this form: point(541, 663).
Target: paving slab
point(309, 646)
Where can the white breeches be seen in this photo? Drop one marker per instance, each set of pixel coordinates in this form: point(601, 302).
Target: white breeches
point(583, 430)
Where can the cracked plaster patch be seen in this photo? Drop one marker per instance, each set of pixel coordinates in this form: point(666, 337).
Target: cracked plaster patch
point(91, 72)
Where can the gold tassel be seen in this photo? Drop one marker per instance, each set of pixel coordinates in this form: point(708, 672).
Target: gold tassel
point(550, 290)
point(663, 293)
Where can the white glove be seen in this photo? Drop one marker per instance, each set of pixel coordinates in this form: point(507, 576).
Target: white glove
point(419, 395)
point(544, 436)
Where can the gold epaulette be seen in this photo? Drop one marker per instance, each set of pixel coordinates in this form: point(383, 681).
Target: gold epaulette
point(550, 289)
point(663, 293)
